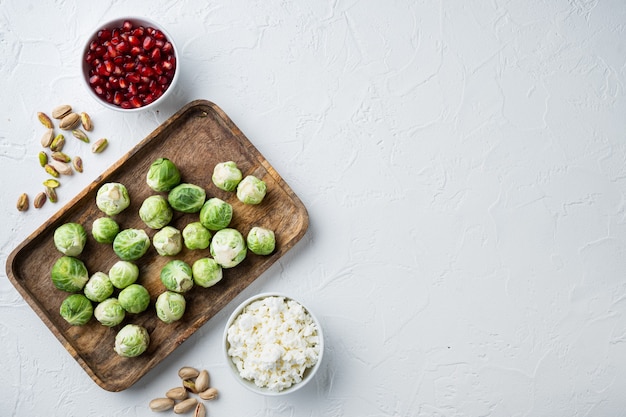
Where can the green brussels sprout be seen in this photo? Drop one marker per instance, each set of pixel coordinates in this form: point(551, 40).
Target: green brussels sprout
point(168, 241)
point(206, 272)
point(216, 214)
point(132, 340)
point(170, 306)
point(187, 198)
point(196, 236)
point(70, 239)
point(76, 309)
point(123, 273)
point(131, 244)
point(251, 190)
point(163, 175)
point(134, 299)
point(226, 176)
point(155, 212)
point(112, 198)
point(177, 276)
point(261, 241)
point(109, 312)
point(69, 274)
point(228, 247)
point(104, 230)
point(99, 287)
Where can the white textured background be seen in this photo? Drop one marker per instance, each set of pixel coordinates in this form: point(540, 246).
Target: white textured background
point(463, 164)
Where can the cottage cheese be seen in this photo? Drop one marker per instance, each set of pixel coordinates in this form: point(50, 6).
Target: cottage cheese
point(272, 342)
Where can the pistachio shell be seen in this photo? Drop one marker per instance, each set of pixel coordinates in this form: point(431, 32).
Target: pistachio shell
point(47, 138)
point(85, 120)
point(60, 111)
point(202, 381)
point(187, 372)
point(177, 393)
point(69, 121)
point(161, 404)
point(185, 405)
point(40, 200)
point(45, 120)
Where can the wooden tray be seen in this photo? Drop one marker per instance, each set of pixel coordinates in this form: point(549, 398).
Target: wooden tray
point(195, 138)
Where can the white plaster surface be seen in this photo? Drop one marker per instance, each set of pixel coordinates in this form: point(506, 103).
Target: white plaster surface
point(463, 163)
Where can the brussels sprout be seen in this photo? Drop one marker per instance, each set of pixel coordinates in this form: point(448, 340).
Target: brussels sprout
point(196, 236)
point(132, 340)
point(170, 306)
point(155, 212)
point(99, 287)
point(104, 230)
point(168, 241)
point(226, 176)
point(70, 239)
point(112, 198)
point(76, 309)
point(134, 299)
point(251, 190)
point(163, 175)
point(216, 214)
point(109, 312)
point(131, 244)
point(261, 241)
point(187, 198)
point(69, 274)
point(177, 276)
point(206, 272)
point(228, 247)
point(123, 273)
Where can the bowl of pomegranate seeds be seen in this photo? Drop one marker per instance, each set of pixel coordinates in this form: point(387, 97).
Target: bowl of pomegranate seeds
point(130, 64)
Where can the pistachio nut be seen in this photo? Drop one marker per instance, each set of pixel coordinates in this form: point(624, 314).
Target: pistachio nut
point(188, 372)
point(209, 394)
point(161, 404)
point(200, 410)
point(45, 120)
point(51, 170)
point(185, 405)
point(57, 143)
point(22, 202)
point(47, 138)
point(202, 381)
point(190, 385)
point(51, 183)
point(52, 194)
point(80, 135)
point(43, 158)
point(40, 200)
point(77, 162)
point(62, 168)
point(69, 121)
point(61, 111)
point(60, 156)
point(177, 393)
point(99, 145)
point(85, 120)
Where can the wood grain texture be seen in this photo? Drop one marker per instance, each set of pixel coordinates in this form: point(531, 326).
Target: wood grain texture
point(196, 138)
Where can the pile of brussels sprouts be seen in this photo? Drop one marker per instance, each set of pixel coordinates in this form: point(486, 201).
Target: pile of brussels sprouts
point(117, 293)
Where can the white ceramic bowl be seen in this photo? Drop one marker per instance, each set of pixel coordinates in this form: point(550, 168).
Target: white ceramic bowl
point(117, 23)
point(309, 373)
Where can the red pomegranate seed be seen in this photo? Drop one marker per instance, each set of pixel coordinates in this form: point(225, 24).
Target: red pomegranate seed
point(134, 40)
point(156, 55)
point(148, 43)
point(127, 26)
point(136, 102)
point(104, 34)
point(123, 47)
point(133, 77)
point(95, 80)
point(117, 98)
point(125, 104)
point(167, 47)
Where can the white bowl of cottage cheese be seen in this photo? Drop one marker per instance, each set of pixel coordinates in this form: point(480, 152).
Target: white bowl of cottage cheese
point(273, 344)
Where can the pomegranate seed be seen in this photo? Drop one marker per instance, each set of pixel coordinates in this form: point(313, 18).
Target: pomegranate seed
point(99, 90)
point(167, 47)
point(123, 83)
point(125, 104)
point(136, 102)
point(138, 31)
point(133, 77)
point(104, 34)
point(155, 55)
point(122, 47)
point(132, 89)
point(158, 34)
point(143, 58)
point(127, 26)
point(134, 40)
point(95, 80)
point(148, 43)
point(117, 98)
point(115, 40)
